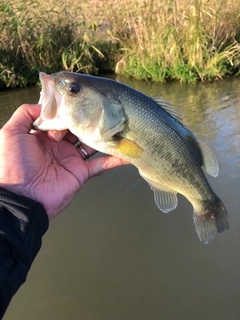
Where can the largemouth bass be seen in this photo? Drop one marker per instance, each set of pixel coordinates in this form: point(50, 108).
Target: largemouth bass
point(116, 119)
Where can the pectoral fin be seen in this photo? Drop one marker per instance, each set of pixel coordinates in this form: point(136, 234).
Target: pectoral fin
point(129, 148)
point(165, 200)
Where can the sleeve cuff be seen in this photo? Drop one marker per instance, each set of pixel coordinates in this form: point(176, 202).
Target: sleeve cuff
point(23, 222)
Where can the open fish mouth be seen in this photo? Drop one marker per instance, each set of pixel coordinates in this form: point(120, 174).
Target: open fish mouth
point(51, 101)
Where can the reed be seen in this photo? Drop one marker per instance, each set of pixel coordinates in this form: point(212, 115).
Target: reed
point(35, 39)
point(185, 40)
point(159, 40)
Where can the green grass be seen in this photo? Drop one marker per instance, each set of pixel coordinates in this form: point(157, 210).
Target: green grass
point(157, 40)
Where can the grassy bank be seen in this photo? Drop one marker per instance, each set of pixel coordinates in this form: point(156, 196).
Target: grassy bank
point(186, 40)
point(35, 39)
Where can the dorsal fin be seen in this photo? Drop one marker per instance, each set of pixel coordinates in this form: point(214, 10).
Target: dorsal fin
point(209, 161)
point(168, 106)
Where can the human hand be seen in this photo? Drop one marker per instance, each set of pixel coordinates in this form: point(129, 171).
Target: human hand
point(35, 165)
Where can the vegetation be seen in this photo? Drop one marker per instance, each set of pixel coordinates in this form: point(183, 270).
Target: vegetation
point(182, 39)
point(157, 40)
point(34, 39)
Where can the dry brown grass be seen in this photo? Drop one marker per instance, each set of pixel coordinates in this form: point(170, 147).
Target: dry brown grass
point(158, 39)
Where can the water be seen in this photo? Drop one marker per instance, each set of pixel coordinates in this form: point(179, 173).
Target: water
point(112, 255)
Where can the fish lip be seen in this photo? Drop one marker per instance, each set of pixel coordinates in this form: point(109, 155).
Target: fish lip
point(45, 95)
point(46, 82)
point(51, 114)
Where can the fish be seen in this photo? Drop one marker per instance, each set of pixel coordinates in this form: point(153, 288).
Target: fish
point(116, 119)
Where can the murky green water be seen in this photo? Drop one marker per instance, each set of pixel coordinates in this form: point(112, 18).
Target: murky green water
point(112, 255)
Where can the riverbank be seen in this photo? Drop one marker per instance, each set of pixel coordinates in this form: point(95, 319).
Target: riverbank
point(185, 40)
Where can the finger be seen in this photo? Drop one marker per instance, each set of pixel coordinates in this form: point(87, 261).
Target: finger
point(101, 164)
point(70, 137)
point(84, 150)
point(57, 135)
point(23, 118)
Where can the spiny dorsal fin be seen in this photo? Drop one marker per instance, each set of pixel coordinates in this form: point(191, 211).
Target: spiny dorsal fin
point(168, 106)
point(209, 162)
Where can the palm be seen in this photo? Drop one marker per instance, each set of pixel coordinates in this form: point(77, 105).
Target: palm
point(55, 171)
point(47, 171)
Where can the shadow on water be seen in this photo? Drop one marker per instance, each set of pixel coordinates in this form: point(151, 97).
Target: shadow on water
point(113, 255)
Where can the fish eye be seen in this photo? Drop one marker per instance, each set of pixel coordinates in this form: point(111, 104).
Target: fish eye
point(74, 87)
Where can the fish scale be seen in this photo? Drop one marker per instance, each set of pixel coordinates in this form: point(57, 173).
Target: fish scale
point(119, 120)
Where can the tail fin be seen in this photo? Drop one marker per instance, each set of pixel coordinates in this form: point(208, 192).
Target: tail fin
point(209, 224)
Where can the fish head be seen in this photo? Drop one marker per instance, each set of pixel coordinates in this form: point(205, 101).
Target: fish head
point(68, 101)
point(86, 105)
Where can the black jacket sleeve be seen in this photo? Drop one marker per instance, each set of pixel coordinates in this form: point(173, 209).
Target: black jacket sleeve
point(23, 222)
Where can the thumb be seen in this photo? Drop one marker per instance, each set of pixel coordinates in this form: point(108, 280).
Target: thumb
point(101, 164)
point(23, 118)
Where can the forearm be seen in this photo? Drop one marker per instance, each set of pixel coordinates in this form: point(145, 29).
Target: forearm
point(23, 222)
